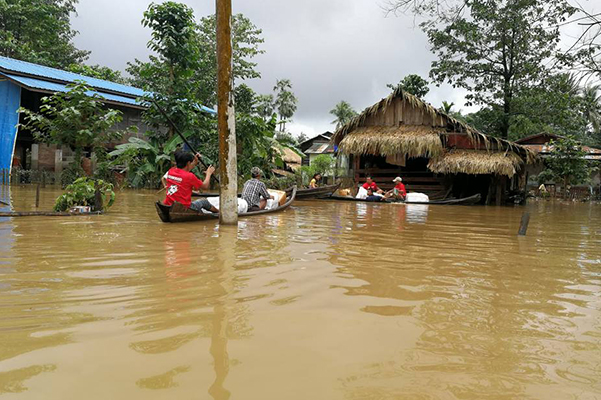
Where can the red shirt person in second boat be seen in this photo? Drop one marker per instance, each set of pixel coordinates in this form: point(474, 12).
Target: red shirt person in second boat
point(398, 192)
point(180, 182)
point(370, 184)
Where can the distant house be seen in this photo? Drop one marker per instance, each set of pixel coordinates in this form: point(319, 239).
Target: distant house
point(24, 84)
point(540, 145)
point(316, 146)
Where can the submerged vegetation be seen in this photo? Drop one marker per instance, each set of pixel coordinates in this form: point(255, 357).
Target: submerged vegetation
point(83, 192)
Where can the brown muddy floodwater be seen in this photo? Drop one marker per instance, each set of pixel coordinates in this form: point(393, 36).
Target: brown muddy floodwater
point(326, 300)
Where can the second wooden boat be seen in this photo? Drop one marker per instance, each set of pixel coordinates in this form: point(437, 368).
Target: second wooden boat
point(313, 193)
point(179, 213)
point(475, 199)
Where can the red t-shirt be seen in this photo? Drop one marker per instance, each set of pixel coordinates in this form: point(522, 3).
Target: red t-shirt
point(371, 186)
point(401, 188)
point(179, 186)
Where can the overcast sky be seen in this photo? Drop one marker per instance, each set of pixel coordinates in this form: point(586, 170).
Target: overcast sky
point(331, 50)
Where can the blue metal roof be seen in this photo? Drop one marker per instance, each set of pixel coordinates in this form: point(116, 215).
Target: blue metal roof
point(22, 67)
point(38, 84)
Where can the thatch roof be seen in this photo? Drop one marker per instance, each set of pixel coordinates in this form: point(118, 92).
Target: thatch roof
point(289, 156)
point(412, 140)
point(441, 121)
point(476, 162)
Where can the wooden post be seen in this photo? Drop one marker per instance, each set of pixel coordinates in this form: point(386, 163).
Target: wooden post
point(524, 224)
point(499, 194)
point(226, 118)
point(43, 179)
point(37, 196)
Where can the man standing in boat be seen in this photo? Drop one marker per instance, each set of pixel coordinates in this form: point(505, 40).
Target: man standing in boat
point(180, 182)
point(255, 192)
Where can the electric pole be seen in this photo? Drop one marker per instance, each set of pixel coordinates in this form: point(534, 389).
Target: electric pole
point(226, 117)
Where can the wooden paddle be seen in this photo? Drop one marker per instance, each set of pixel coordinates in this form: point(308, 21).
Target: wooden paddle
point(176, 129)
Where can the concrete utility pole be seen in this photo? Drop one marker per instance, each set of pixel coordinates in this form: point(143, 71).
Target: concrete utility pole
point(228, 200)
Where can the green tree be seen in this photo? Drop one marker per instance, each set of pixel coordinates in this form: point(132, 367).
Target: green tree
point(98, 72)
point(493, 48)
point(591, 97)
point(343, 112)
point(285, 101)
point(75, 119)
point(39, 31)
point(414, 84)
point(265, 106)
point(566, 164)
point(302, 138)
point(447, 107)
point(245, 99)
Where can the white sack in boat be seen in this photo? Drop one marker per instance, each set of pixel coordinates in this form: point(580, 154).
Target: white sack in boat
point(417, 197)
point(273, 204)
point(242, 204)
point(361, 194)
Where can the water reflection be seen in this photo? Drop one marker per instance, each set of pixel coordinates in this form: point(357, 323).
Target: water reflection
point(326, 300)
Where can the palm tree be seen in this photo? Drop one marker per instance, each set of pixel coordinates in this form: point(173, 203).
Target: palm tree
point(343, 113)
point(265, 106)
point(285, 101)
point(591, 96)
point(446, 107)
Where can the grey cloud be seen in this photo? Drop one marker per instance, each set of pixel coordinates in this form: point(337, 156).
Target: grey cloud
point(331, 50)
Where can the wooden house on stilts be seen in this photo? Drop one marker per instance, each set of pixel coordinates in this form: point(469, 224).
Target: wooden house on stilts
point(433, 152)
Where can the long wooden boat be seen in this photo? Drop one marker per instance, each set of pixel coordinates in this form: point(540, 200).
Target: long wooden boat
point(312, 193)
point(463, 201)
point(179, 213)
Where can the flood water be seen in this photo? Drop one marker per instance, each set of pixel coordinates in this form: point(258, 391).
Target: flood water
point(327, 300)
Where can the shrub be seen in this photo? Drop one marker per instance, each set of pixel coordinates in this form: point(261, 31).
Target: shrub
point(82, 192)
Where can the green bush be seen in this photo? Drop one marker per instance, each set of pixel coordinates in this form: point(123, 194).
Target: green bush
point(82, 192)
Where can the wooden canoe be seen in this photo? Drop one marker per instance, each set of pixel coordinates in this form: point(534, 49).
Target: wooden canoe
point(312, 193)
point(463, 201)
point(179, 213)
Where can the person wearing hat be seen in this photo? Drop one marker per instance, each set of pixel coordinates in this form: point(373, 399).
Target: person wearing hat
point(255, 192)
point(398, 192)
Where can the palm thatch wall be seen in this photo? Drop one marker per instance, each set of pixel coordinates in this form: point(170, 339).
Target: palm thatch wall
point(476, 162)
point(395, 123)
point(414, 141)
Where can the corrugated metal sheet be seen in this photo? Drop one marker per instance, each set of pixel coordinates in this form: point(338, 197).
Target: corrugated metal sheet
point(40, 85)
point(320, 148)
point(10, 98)
point(22, 67)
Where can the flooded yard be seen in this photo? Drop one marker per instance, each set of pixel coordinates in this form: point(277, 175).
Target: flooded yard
point(326, 300)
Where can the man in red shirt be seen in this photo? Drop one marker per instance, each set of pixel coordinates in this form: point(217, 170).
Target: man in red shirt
point(370, 184)
point(181, 182)
point(398, 192)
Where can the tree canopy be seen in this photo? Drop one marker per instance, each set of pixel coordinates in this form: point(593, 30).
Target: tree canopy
point(343, 112)
point(39, 31)
point(414, 84)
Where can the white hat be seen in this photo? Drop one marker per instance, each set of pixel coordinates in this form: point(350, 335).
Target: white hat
point(397, 179)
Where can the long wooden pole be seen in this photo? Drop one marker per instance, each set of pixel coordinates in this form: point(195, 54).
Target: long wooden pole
point(226, 120)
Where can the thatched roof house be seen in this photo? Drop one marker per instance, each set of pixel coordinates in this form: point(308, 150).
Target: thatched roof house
point(403, 135)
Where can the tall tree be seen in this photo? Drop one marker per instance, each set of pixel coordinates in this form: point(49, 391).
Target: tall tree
point(414, 84)
point(265, 106)
point(492, 48)
point(343, 112)
point(591, 97)
point(447, 107)
point(39, 31)
point(285, 101)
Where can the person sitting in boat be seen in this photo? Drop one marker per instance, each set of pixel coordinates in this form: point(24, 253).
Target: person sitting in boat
point(370, 184)
point(181, 182)
point(371, 196)
point(314, 182)
point(255, 192)
point(398, 192)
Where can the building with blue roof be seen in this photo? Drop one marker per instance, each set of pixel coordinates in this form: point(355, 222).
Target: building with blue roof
point(24, 84)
